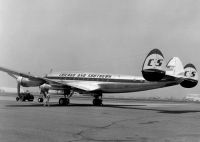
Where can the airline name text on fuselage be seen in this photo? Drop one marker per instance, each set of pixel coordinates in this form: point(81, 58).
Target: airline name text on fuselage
point(84, 75)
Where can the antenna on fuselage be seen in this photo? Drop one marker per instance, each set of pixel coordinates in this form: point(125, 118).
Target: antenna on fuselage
point(51, 70)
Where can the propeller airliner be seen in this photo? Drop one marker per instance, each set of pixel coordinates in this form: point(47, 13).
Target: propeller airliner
point(155, 74)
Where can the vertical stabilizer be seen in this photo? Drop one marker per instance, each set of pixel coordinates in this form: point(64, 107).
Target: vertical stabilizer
point(175, 67)
point(190, 76)
point(154, 66)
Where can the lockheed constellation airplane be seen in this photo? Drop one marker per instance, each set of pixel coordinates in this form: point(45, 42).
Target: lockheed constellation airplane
point(156, 74)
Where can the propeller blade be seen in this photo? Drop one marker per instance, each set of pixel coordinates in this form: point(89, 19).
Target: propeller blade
point(18, 89)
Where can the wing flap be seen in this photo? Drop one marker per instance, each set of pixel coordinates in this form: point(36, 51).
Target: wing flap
point(86, 86)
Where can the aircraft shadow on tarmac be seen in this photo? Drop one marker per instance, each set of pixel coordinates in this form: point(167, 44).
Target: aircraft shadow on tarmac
point(152, 109)
point(133, 107)
point(75, 105)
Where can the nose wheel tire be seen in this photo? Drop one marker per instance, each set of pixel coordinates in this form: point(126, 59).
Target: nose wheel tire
point(64, 101)
point(97, 102)
point(17, 99)
point(40, 100)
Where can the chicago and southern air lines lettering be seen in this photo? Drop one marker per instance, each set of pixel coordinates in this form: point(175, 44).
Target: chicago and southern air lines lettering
point(98, 76)
point(67, 75)
point(83, 75)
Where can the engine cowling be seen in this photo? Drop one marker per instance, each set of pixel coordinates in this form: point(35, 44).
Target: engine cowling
point(154, 66)
point(191, 76)
point(26, 82)
point(45, 87)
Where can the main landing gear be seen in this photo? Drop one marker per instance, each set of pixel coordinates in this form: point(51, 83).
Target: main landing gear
point(97, 101)
point(66, 100)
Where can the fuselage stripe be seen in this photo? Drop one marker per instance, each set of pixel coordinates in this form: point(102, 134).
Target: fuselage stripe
point(97, 79)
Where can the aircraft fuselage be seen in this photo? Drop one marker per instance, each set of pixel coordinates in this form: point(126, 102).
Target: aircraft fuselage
point(110, 83)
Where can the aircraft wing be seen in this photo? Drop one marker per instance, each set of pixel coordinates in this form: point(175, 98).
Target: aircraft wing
point(16, 73)
point(80, 85)
point(55, 84)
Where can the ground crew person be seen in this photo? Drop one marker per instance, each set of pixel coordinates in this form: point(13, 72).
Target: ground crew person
point(46, 96)
point(47, 99)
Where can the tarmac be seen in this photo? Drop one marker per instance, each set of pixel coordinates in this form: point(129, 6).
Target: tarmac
point(117, 120)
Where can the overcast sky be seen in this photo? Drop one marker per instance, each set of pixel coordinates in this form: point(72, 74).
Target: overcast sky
point(108, 36)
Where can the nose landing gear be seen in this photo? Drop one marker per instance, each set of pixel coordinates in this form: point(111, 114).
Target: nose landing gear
point(40, 100)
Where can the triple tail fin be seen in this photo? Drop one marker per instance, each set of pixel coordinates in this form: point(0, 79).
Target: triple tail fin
point(154, 66)
point(154, 69)
point(190, 76)
point(175, 68)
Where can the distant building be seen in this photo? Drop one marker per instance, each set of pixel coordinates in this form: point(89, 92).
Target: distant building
point(9, 90)
point(2, 91)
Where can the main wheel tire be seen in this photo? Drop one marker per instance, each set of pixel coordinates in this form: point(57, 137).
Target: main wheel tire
point(67, 101)
point(97, 102)
point(64, 101)
point(61, 101)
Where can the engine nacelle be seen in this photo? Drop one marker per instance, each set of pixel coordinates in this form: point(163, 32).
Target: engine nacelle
point(191, 76)
point(45, 87)
point(154, 66)
point(26, 82)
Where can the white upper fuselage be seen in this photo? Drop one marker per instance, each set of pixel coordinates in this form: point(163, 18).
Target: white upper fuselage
point(108, 83)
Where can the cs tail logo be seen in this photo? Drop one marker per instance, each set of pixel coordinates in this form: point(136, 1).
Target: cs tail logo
point(190, 74)
point(155, 62)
